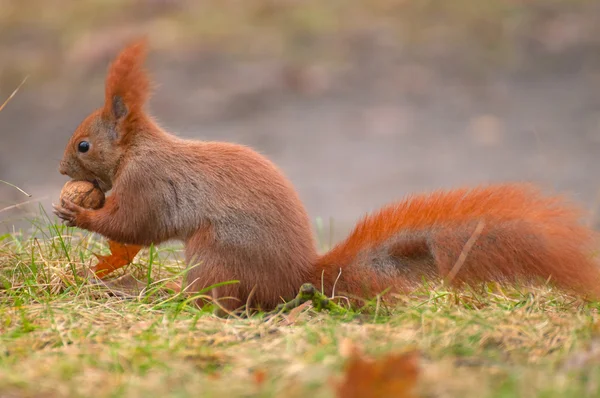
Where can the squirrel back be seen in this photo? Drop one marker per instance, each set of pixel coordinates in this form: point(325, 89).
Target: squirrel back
point(241, 219)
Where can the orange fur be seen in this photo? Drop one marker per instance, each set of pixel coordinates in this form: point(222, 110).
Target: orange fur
point(128, 79)
point(241, 219)
point(525, 236)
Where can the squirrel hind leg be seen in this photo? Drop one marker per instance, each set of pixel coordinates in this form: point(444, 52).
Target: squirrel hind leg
point(238, 282)
point(207, 267)
point(209, 271)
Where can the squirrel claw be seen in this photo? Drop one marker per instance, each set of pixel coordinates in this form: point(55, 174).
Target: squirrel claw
point(65, 213)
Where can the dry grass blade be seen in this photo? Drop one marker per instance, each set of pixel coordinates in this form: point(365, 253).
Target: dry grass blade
point(13, 93)
point(16, 187)
point(464, 253)
point(16, 206)
point(2, 107)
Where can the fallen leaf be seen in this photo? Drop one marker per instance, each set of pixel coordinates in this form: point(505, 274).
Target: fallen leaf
point(259, 377)
point(393, 375)
point(121, 255)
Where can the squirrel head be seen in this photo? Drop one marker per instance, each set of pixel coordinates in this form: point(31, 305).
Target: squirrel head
point(95, 150)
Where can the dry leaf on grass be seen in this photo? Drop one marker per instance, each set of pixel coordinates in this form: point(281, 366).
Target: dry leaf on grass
point(394, 375)
point(121, 255)
point(260, 376)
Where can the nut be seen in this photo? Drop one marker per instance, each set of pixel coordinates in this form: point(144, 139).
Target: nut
point(83, 193)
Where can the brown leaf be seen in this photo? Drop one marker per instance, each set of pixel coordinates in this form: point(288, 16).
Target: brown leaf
point(259, 376)
point(394, 375)
point(121, 255)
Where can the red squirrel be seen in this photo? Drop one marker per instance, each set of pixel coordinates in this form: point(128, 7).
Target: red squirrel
point(241, 219)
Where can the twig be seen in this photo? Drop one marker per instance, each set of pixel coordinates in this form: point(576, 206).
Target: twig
point(13, 93)
point(19, 205)
point(463, 254)
point(249, 300)
point(335, 283)
point(14, 186)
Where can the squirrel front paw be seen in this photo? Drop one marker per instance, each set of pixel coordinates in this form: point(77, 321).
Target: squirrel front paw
point(71, 214)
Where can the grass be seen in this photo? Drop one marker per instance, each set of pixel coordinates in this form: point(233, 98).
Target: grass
point(63, 336)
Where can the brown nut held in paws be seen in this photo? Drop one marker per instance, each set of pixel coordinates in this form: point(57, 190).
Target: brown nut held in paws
point(82, 193)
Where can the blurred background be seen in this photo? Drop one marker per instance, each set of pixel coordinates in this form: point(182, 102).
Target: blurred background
point(359, 102)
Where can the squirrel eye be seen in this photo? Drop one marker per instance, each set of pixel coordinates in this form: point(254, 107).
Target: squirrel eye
point(83, 146)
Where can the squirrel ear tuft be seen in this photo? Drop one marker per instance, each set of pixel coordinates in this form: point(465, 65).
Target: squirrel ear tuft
point(119, 109)
point(127, 83)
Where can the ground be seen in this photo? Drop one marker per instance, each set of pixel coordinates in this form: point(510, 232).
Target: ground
point(60, 335)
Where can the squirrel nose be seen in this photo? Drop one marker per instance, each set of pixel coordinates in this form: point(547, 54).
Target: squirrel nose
point(62, 169)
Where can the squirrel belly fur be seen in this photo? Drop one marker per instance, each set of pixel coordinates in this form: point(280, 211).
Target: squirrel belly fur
point(241, 219)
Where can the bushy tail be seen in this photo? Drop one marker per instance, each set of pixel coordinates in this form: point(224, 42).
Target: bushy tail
point(505, 233)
